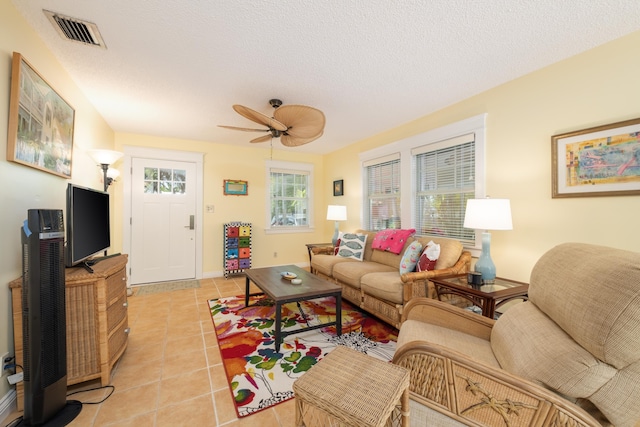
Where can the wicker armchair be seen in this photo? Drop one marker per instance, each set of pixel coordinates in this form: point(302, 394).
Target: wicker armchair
point(570, 356)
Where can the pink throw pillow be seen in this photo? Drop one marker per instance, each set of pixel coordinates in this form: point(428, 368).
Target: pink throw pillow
point(391, 240)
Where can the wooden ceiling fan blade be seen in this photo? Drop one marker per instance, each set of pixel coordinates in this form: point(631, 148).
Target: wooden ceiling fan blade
point(292, 141)
point(302, 121)
point(257, 117)
point(244, 129)
point(262, 138)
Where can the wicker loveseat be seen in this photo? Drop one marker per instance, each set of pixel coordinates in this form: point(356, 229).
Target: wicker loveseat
point(375, 284)
point(573, 346)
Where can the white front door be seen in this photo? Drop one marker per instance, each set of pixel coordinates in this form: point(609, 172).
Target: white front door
point(163, 220)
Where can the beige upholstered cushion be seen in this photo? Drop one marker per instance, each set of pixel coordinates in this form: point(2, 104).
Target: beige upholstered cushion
point(618, 395)
point(350, 273)
point(474, 347)
point(593, 293)
point(386, 286)
point(450, 251)
point(324, 263)
point(529, 344)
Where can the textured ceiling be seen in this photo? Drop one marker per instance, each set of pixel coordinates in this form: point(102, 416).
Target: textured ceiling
point(174, 68)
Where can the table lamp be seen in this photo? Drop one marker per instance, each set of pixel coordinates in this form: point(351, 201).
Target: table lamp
point(336, 213)
point(487, 214)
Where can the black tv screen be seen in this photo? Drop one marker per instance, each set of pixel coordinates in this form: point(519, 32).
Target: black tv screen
point(88, 227)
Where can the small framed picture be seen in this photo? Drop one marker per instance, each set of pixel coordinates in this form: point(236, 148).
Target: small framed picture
point(338, 188)
point(235, 188)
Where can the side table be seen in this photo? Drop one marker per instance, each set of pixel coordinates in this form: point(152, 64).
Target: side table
point(311, 246)
point(349, 388)
point(487, 297)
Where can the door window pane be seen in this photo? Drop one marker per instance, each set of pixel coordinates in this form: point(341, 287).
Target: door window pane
point(163, 180)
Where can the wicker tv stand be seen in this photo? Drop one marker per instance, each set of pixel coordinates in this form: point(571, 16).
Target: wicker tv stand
point(97, 322)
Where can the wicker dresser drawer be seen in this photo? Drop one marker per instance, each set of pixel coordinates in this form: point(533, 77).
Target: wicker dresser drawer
point(116, 284)
point(118, 341)
point(116, 312)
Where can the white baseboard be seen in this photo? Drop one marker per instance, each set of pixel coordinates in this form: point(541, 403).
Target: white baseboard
point(220, 273)
point(8, 404)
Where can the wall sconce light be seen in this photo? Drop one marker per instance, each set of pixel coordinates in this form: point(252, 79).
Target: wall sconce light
point(336, 213)
point(112, 175)
point(104, 158)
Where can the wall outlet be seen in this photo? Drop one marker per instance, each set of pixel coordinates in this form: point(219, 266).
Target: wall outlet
point(275, 254)
point(210, 208)
point(4, 356)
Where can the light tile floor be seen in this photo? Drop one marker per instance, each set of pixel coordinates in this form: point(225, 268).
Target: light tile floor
point(171, 373)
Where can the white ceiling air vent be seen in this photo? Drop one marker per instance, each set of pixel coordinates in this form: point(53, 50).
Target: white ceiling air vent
point(75, 29)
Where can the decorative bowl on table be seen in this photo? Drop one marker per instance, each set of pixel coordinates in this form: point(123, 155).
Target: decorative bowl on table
point(288, 275)
point(296, 281)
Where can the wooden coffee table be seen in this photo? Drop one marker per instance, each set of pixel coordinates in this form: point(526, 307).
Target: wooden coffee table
point(488, 297)
point(282, 291)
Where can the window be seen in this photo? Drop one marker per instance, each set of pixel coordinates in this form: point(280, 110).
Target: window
point(160, 180)
point(382, 184)
point(425, 181)
point(444, 181)
point(290, 198)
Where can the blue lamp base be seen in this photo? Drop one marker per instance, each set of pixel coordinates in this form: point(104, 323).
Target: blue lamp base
point(485, 265)
point(336, 234)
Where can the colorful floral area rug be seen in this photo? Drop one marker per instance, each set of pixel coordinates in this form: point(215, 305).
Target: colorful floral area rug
point(258, 376)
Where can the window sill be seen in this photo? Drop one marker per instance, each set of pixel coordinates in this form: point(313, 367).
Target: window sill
point(289, 230)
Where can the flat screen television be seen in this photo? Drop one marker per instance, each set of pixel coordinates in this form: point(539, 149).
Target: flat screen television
point(88, 227)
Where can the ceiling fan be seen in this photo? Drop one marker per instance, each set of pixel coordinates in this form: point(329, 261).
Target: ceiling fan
point(295, 125)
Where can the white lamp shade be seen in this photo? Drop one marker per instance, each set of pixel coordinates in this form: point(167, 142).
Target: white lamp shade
point(488, 214)
point(113, 173)
point(337, 213)
point(105, 157)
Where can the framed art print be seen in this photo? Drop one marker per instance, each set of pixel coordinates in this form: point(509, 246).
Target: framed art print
point(338, 188)
point(40, 122)
point(599, 161)
point(235, 187)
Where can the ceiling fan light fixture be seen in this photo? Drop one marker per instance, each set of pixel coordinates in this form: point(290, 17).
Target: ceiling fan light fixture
point(295, 125)
point(275, 103)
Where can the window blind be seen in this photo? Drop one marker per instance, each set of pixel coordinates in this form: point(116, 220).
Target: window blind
point(382, 177)
point(444, 182)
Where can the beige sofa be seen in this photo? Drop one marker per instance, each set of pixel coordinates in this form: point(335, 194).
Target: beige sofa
point(574, 345)
point(375, 284)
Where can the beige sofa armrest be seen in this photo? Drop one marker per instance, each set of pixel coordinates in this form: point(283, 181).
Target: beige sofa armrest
point(452, 384)
point(449, 316)
point(416, 283)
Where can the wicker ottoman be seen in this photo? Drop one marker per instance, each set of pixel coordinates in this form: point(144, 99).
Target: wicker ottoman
point(348, 388)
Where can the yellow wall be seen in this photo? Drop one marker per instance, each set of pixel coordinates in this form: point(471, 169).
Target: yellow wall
point(24, 187)
point(594, 88)
point(223, 161)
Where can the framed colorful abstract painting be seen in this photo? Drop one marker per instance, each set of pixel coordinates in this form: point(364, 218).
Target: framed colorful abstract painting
point(599, 161)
